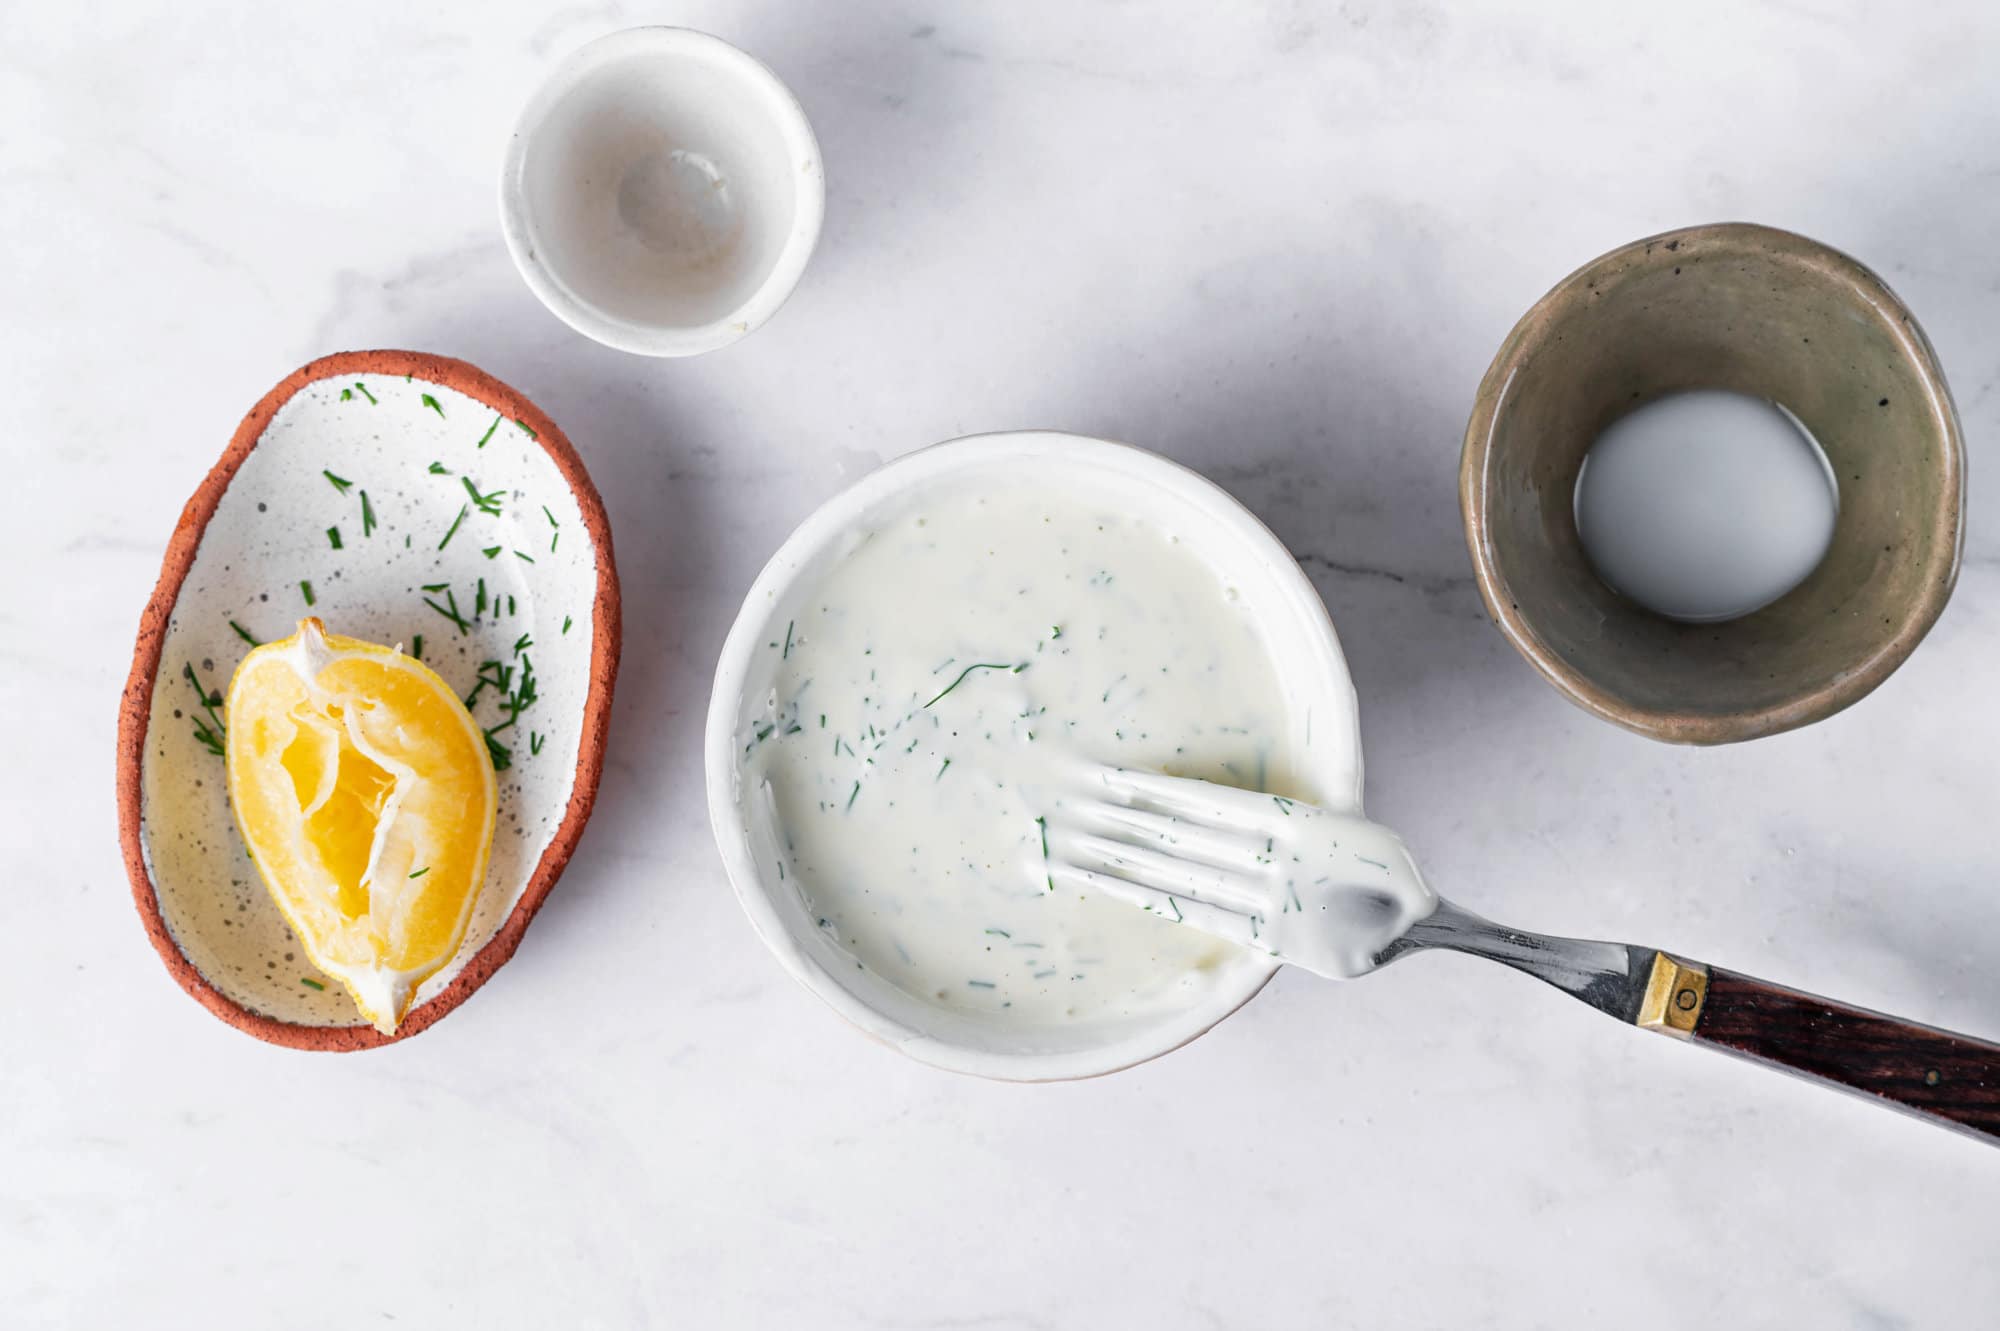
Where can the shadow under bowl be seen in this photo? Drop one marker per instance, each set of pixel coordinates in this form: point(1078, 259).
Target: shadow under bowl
point(1757, 311)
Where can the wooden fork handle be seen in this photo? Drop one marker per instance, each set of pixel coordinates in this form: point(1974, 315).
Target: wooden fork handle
point(1953, 1079)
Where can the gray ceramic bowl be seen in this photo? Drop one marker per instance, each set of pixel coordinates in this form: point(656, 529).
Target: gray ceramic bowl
point(1759, 311)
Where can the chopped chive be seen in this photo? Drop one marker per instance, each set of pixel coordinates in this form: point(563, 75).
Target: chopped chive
point(439, 469)
point(853, 794)
point(452, 613)
point(522, 644)
point(417, 648)
point(479, 602)
point(1055, 631)
point(534, 742)
point(462, 511)
point(339, 483)
point(421, 872)
point(333, 537)
point(1284, 805)
point(491, 551)
point(510, 605)
point(347, 395)
point(822, 720)
point(788, 639)
point(306, 590)
point(1043, 823)
point(244, 634)
point(943, 770)
point(765, 733)
point(524, 425)
point(486, 503)
point(999, 933)
point(489, 432)
point(550, 516)
point(436, 586)
point(432, 403)
point(525, 558)
point(367, 515)
point(362, 389)
point(980, 984)
point(553, 538)
point(566, 623)
point(312, 984)
point(209, 734)
point(503, 757)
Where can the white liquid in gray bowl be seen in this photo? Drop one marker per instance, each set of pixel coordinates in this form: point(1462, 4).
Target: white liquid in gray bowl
point(1705, 505)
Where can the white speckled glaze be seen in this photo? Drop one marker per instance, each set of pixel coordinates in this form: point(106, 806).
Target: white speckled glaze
point(1299, 638)
point(269, 533)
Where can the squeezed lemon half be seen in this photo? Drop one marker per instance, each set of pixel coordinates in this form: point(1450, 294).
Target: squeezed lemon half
point(365, 792)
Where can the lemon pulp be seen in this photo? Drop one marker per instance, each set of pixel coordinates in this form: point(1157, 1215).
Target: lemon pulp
point(365, 793)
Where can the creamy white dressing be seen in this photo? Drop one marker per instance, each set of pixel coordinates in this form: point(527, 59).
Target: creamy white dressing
point(930, 698)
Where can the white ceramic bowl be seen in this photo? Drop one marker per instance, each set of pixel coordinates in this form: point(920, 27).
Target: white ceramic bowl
point(1298, 634)
point(662, 192)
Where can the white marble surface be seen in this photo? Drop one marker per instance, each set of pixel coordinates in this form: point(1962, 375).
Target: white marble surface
point(1277, 241)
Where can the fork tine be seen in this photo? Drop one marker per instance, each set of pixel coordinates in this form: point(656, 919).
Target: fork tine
point(1224, 924)
point(1218, 847)
point(1197, 801)
point(1163, 872)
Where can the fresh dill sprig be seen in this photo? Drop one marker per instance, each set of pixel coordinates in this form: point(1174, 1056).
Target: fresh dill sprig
point(979, 665)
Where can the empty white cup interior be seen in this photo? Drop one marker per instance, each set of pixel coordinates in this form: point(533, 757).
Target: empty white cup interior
point(662, 192)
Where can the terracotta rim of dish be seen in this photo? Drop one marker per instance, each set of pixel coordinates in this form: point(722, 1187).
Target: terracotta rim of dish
point(1852, 685)
point(135, 706)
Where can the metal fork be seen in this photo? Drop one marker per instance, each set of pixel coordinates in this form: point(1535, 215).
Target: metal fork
point(1339, 895)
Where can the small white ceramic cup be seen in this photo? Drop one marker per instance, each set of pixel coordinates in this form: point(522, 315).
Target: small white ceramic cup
point(1243, 552)
point(662, 192)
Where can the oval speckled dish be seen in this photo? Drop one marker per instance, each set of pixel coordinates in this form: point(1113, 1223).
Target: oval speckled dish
point(402, 498)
